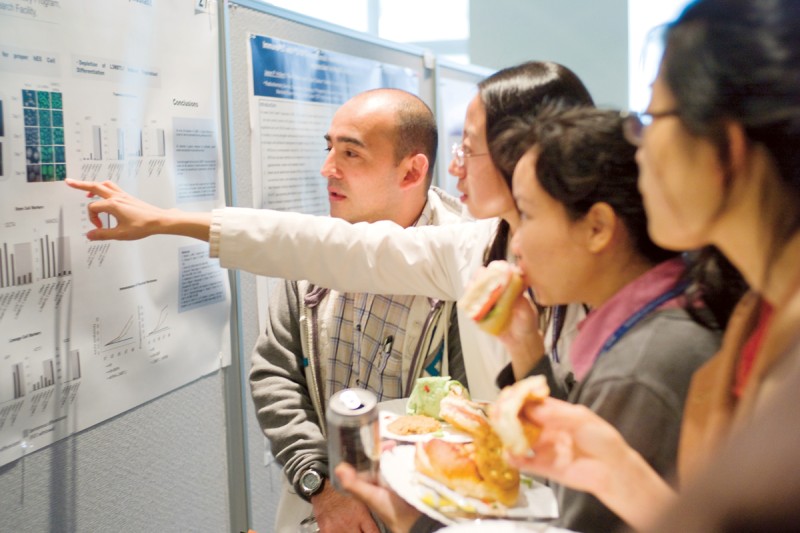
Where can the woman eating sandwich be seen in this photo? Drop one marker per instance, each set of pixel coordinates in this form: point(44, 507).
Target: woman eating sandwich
point(583, 238)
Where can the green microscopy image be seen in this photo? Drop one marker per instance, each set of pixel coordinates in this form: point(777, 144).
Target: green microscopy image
point(31, 117)
point(29, 98)
point(60, 154)
point(46, 135)
point(47, 154)
point(44, 117)
point(58, 118)
point(32, 136)
point(43, 99)
point(34, 173)
point(61, 172)
point(56, 100)
point(48, 173)
point(58, 135)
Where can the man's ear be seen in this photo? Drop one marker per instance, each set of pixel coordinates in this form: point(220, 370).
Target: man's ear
point(416, 167)
point(601, 224)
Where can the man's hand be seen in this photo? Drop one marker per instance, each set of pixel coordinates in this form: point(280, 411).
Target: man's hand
point(398, 515)
point(336, 512)
point(136, 219)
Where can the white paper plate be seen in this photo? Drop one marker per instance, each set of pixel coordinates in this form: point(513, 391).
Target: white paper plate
point(447, 432)
point(397, 469)
point(500, 526)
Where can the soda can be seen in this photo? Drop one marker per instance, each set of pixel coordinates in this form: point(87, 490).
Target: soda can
point(354, 433)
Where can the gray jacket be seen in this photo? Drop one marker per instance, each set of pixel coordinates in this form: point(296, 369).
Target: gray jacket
point(288, 395)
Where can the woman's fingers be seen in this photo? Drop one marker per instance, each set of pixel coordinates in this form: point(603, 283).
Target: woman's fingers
point(104, 189)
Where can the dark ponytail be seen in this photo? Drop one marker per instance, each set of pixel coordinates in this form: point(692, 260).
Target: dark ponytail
point(520, 92)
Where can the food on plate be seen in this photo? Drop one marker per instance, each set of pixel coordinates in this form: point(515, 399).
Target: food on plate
point(491, 294)
point(414, 425)
point(517, 433)
point(429, 391)
point(475, 469)
point(464, 414)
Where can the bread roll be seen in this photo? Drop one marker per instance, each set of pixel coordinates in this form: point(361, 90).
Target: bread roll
point(517, 433)
point(474, 469)
point(465, 415)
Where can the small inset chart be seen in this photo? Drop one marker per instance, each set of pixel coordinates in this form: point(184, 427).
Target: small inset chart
point(17, 261)
point(73, 366)
point(45, 154)
point(112, 150)
point(3, 143)
point(115, 143)
point(17, 382)
point(124, 338)
point(48, 378)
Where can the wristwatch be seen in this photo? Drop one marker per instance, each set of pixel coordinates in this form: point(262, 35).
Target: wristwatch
point(311, 483)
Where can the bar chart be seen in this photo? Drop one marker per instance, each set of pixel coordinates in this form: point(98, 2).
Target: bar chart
point(73, 365)
point(16, 267)
point(17, 261)
point(111, 142)
point(18, 381)
point(48, 378)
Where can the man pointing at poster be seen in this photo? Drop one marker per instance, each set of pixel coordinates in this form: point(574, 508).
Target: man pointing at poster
point(381, 148)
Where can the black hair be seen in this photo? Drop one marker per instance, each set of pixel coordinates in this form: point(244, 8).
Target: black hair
point(520, 92)
point(584, 159)
point(739, 61)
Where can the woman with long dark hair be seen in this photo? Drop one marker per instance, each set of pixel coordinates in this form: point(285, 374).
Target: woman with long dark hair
point(720, 166)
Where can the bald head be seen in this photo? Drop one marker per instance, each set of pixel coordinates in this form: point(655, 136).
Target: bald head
point(413, 122)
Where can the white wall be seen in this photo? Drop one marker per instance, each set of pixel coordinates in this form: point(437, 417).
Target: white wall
point(588, 36)
point(644, 17)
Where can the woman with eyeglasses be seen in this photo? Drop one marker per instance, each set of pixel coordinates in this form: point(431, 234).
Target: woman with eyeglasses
point(719, 166)
point(384, 258)
point(583, 238)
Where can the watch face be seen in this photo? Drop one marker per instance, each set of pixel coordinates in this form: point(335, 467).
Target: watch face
point(311, 481)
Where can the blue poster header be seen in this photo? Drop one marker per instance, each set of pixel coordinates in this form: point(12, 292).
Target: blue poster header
point(282, 69)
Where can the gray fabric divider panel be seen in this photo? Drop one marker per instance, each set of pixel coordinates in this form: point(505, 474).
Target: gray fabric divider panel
point(159, 467)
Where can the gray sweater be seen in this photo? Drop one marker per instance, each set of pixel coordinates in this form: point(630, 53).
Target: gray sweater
point(281, 392)
point(639, 386)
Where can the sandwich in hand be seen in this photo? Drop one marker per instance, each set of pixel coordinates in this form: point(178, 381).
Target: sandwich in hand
point(491, 294)
point(516, 432)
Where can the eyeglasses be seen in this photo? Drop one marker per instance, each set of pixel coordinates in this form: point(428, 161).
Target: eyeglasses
point(634, 124)
point(460, 155)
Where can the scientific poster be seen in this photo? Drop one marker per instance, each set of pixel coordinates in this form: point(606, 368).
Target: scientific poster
point(295, 91)
point(121, 90)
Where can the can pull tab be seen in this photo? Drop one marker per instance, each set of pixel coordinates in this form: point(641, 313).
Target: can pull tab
point(351, 400)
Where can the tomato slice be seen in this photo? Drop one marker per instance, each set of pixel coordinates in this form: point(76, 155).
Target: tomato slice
point(491, 299)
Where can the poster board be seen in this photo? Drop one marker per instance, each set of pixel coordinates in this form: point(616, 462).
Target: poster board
point(110, 352)
point(247, 19)
point(80, 321)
